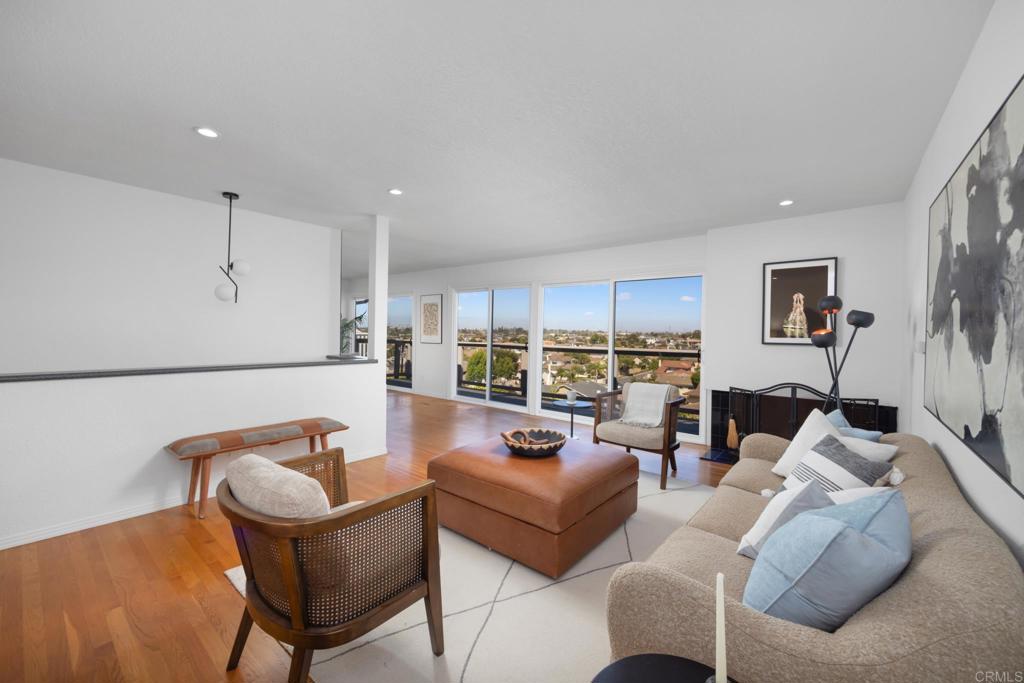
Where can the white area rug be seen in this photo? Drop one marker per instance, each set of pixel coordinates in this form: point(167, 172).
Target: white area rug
point(504, 622)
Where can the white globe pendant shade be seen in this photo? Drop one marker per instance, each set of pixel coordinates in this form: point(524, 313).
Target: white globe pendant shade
point(224, 292)
point(240, 267)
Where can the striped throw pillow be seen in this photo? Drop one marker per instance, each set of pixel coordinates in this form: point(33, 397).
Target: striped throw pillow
point(837, 468)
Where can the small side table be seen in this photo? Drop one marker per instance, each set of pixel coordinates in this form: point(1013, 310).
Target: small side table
point(562, 403)
point(655, 669)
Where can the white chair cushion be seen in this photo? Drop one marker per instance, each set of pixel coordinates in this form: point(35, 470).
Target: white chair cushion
point(647, 438)
point(268, 488)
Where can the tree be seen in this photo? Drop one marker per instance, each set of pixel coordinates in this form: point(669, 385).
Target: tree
point(504, 366)
point(476, 367)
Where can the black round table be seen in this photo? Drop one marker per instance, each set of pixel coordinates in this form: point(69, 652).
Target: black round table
point(578, 403)
point(654, 669)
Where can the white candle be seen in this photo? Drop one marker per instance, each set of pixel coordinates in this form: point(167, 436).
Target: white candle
point(720, 676)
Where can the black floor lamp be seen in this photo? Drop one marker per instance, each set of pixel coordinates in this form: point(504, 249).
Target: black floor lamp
point(826, 339)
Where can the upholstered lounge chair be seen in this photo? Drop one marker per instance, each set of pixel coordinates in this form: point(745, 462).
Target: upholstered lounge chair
point(320, 582)
point(609, 428)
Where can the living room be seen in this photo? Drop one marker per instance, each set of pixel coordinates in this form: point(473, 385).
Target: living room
point(483, 342)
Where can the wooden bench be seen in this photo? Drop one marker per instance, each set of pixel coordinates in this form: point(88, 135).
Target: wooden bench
point(202, 448)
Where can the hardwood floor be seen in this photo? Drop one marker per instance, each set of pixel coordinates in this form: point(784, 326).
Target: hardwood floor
point(145, 599)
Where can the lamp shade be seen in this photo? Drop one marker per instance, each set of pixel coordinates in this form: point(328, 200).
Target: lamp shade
point(224, 292)
point(830, 304)
point(240, 266)
point(823, 339)
point(860, 318)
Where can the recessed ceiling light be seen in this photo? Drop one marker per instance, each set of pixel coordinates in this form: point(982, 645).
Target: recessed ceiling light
point(395, 191)
point(786, 202)
point(206, 132)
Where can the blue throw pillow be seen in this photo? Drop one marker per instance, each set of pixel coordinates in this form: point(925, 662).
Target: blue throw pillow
point(840, 422)
point(824, 565)
point(858, 433)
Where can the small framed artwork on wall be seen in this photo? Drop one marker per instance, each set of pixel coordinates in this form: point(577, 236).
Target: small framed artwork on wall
point(430, 319)
point(791, 291)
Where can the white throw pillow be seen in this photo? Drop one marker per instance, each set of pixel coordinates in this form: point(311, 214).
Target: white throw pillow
point(850, 495)
point(873, 451)
point(814, 427)
point(835, 467)
point(783, 507)
point(266, 487)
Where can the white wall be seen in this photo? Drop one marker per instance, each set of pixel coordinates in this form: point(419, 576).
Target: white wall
point(868, 244)
point(995, 65)
point(83, 452)
point(98, 275)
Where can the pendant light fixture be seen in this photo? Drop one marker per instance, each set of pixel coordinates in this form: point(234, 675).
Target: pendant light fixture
point(225, 291)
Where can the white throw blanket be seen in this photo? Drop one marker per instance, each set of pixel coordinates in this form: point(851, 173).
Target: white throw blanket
point(645, 405)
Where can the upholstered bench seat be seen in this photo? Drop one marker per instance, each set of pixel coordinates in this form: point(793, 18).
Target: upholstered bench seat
point(201, 448)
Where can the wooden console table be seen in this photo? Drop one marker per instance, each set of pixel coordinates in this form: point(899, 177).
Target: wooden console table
point(202, 448)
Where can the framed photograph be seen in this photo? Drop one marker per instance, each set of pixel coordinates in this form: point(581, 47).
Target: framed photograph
point(792, 289)
point(430, 319)
point(973, 329)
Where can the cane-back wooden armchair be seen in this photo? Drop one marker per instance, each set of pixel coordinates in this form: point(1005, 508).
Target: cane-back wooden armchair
point(608, 407)
point(321, 582)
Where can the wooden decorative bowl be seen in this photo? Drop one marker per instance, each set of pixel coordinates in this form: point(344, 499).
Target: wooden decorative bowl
point(534, 443)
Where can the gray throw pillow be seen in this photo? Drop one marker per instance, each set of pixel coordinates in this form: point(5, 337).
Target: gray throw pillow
point(781, 508)
point(835, 467)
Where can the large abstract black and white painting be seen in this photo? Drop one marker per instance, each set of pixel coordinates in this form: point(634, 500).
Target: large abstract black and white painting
point(974, 350)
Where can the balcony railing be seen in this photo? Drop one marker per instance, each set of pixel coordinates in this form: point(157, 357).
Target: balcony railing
point(507, 389)
point(399, 362)
point(556, 384)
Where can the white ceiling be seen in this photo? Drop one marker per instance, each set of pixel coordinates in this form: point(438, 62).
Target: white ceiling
point(514, 127)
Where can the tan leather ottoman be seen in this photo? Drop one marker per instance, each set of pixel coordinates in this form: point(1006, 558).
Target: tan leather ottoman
point(543, 512)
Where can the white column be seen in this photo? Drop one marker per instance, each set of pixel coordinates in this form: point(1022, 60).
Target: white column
point(378, 288)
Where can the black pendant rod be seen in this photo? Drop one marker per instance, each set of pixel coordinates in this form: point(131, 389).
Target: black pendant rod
point(231, 197)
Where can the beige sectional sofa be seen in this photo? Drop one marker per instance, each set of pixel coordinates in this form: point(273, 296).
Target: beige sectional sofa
point(954, 614)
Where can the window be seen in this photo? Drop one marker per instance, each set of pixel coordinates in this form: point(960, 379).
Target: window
point(399, 367)
point(361, 314)
point(510, 324)
point(471, 317)
point(575, 353)
point(492, 345)
point(658, 338)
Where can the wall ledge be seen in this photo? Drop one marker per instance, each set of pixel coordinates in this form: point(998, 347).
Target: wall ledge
point(176, 370)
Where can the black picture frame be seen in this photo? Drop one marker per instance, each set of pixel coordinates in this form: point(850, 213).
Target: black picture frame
point(831, 275)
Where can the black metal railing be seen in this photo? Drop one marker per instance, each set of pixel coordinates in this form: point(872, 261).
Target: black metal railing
point(399, 366)
point(399, 358)
point(509, 391)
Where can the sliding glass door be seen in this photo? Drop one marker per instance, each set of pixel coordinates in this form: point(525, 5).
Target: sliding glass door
point(658, 339)
point(510, 324)
point(471, 316)
point(575, 353)
point(399, 369)
point(492, 345)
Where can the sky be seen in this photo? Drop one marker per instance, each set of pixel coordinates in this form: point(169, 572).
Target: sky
point(400, 311)
point(511, 308)
point(664, 305)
